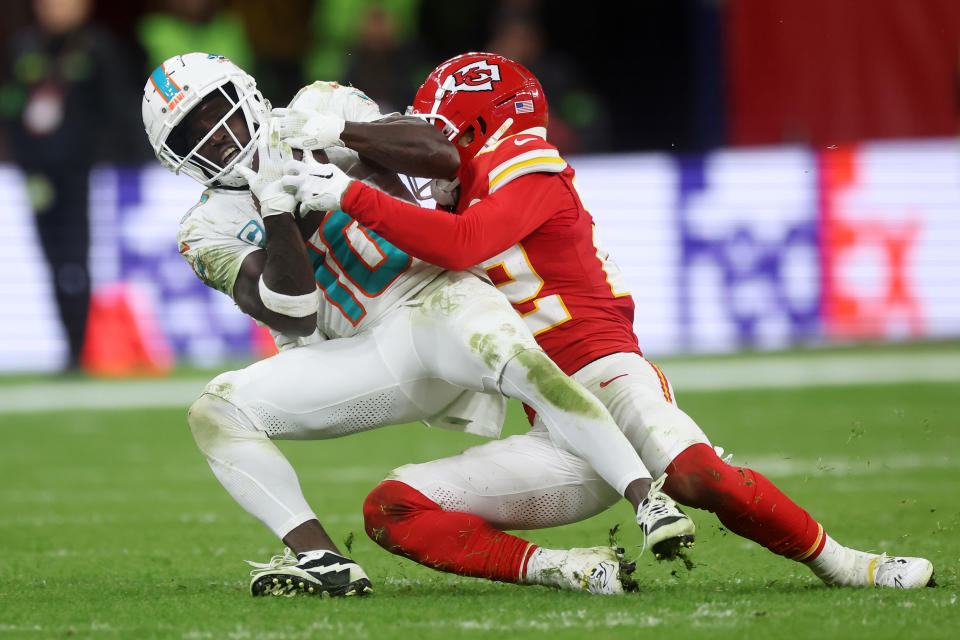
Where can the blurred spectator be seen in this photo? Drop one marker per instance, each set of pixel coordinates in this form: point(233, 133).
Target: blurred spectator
point(337, 26)
point(69, 103)
point(579, 122)
point(279, 34)
point(16, 15)
point(386, 66)
point(183, 26)
point(451, 28)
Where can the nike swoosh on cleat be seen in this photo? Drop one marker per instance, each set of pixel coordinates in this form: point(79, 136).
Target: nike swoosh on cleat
point(324, 176)
point(603, 384)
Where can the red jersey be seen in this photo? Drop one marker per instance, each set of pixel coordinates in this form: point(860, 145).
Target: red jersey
point(521, 219)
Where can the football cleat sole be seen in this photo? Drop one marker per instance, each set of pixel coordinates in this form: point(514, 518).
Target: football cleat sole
point(671, 548)
point(290, 586)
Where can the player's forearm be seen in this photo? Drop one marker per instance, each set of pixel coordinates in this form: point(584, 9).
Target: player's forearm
point(247, 295)
point(404, 145)
point(449, 241)
point(287, 269)
point(299, 327)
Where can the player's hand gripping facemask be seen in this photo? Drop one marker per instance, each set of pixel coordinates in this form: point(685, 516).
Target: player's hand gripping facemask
point(265, 183)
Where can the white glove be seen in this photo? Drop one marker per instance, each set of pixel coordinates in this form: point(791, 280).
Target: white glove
point(285, 341)
point(308, 130)
point(445, 192)
point(318, 187)
point(265, 182)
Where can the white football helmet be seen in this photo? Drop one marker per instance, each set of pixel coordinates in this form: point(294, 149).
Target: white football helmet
point(179, 85)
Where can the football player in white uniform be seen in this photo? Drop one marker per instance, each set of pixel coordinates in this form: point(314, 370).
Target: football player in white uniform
point(369, 336)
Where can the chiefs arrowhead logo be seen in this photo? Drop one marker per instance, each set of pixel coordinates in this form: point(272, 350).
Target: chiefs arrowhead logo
point(476, 76)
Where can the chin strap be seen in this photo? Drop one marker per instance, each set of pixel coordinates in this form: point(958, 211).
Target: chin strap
point(495, 138)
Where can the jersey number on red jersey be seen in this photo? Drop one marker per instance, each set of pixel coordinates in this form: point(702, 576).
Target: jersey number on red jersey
point(513, 274)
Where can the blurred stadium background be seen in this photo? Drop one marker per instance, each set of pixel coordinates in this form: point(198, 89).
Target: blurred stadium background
point(768, 173)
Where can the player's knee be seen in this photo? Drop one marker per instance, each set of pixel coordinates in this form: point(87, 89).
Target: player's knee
point(204, 420)
point(387, 504)
point(374, 513)
point(533, 370)
point(537, 362)
point(212, 419)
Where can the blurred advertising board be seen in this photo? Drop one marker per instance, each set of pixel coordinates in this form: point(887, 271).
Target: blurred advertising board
point(752, 248)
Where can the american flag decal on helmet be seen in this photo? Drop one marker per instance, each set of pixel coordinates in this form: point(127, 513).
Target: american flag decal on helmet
point(523, 106)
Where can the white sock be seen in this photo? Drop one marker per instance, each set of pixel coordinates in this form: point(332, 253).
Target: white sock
point(843, 566)
point(542, 567)
point(248, 465)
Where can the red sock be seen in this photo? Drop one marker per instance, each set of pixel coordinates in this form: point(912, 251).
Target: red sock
point(405, 522)
point(745, 501)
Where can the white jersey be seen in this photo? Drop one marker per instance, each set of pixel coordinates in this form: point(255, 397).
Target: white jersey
point(361, 276)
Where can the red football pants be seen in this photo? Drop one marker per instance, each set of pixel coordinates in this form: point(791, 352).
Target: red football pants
point(405, 522)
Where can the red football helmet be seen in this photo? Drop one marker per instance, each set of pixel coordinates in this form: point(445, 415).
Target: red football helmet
point(494, 95)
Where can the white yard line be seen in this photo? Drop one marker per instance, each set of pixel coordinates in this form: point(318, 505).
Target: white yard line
point(99, 394)
point(752, 372)
point(810, 370)
point(782, 466)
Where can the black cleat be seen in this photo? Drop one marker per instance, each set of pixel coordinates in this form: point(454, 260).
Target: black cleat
point(318, 573)
point(666, 529)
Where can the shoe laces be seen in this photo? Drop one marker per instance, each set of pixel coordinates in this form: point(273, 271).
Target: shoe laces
point(279, 561)
point(654, 509)
point(657, 504)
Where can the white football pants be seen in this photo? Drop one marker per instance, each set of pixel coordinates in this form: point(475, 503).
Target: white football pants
point(460, 333)
point(527, 482)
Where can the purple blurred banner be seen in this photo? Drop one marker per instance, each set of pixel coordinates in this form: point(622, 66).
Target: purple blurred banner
point(752, 248)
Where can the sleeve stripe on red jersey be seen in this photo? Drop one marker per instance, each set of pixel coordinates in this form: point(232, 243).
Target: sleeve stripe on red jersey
point(536, 160)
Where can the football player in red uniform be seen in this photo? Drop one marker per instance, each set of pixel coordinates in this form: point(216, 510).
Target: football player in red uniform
point(519, 216)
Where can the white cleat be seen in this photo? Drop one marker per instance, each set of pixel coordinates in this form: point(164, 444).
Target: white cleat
point(902, 573)
point(666, 529)
point(600, 570)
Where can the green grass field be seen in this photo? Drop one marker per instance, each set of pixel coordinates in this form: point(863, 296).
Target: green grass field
point(112, 526)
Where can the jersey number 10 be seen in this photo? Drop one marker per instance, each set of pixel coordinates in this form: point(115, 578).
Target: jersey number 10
point(367, 262)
